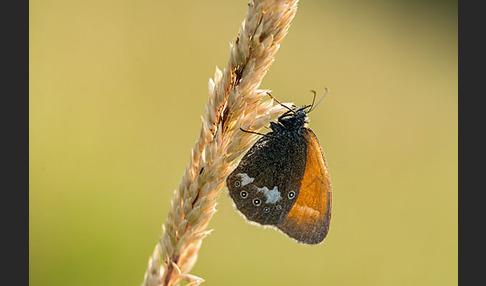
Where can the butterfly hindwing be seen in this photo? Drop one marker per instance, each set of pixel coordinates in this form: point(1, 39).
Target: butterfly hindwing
point(266, 183)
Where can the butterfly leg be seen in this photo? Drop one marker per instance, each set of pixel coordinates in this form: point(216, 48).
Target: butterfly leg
point(253, 132)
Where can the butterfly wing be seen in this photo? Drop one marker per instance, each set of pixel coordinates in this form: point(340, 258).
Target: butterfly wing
point(266, 183)
point(308, 221)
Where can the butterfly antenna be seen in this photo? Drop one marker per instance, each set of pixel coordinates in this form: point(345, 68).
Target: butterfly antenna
point(290, 109)
point(314, 106)
point(313, 99)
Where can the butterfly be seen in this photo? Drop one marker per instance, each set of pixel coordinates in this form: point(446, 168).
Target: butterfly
point(283, 180)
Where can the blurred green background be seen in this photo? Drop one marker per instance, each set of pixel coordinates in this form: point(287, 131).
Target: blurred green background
point(117, 89)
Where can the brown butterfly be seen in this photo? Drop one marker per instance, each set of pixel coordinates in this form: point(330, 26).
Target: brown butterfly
point(283, 180)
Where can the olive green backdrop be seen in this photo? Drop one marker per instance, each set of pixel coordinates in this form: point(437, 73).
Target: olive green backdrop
point(117, 89)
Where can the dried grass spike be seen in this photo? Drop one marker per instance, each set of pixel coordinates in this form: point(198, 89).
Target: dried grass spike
point(234, 100)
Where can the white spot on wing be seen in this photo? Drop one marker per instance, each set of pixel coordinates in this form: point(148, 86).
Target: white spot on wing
point(272, 196)
point(245, 179)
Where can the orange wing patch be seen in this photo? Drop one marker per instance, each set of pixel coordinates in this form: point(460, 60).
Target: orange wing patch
point(308, 220)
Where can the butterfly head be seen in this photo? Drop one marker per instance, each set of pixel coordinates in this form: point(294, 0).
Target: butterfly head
point(292, 120)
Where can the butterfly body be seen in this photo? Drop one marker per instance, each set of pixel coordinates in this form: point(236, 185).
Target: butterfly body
point(283, 180)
